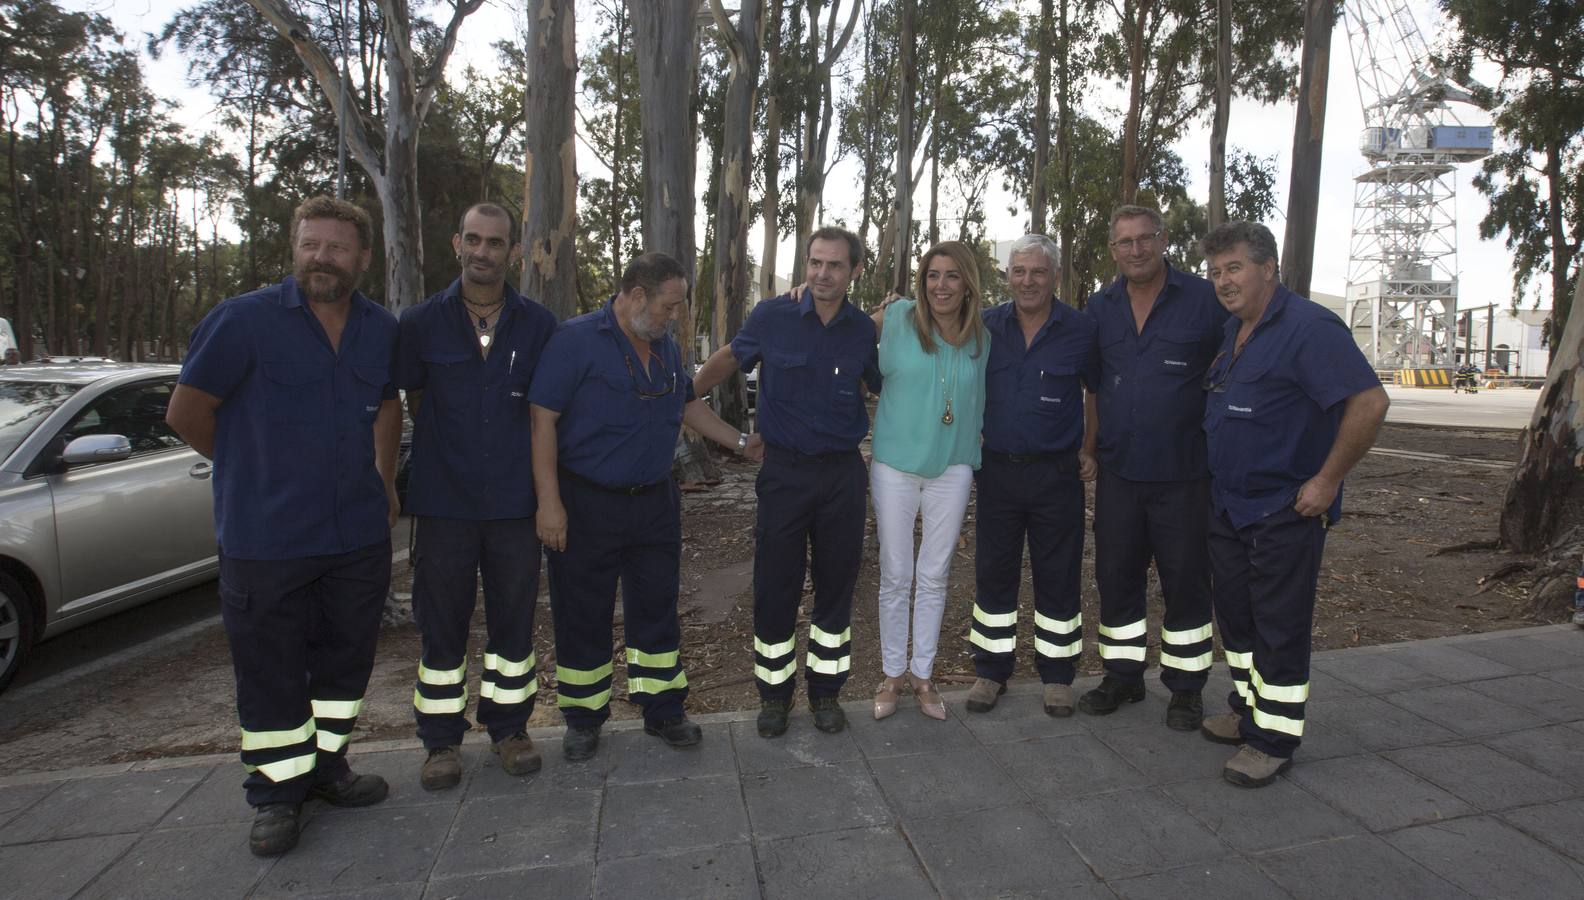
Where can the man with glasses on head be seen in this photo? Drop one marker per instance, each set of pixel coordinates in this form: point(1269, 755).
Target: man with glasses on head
point(1293, 405)
point(609, 398)
point(1158, 330)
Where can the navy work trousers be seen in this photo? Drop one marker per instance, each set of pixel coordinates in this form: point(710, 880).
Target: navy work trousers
point(637, 539)
point(1040, 500)
point(451, 555)
point(807, 505)
point(302, 635)
point(1265, 575)
point(1168, 521)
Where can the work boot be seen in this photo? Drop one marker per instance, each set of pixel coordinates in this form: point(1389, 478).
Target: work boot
point(1251, 768)
point(518, 755)
point(772, 721)
point(442, 770)
point(983, 695)
point(677, 732)
point(352, 790)
point(580, 744)
point(1185, 711)
point(828, 714)
point(1109, 696)
point(1222, 729)
point(275, 828)
point(1058, 700)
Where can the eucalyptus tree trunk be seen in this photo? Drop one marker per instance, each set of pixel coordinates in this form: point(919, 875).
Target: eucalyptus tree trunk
point(1221, 118)
point(1039, 194)
point(817, 121)
point(1303, 191)
point(772, 156)
point(1543, 494)
point(550, 161)
point(906, 86)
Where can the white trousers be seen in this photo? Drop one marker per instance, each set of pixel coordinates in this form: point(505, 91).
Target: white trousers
point(898, 499)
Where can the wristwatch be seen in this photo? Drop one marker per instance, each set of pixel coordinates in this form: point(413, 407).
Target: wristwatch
point(742, 442)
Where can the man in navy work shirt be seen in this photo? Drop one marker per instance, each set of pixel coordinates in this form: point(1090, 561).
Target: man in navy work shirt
point(1159, 328)
point(288, 389)
point(467, 355)
point(1292, 406)
point(814, 351)
point(609, 398)
point(1042, 356)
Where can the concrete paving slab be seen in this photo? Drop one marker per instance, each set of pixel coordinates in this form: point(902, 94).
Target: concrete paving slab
point(1357, 866)
point(555, 775)
point(121, 804)
point(1451, 663)
point(218, 799)
point(717, 872)
point(810, 799)
point(1325, 686)
point(1572, 676)
point(659, 817)
point(1568, 640)
point(1560, 825)
point(1379, 794)
point(400, 770)
point(1525, 653)
point(1268, 818)
point(1019, 717)
point(1465, 711)
point(1322, 738)
point(497, 834)
point(1009, 851)
point(951, 781)
point(1376, 673)
point(640, 758)
point(410, 891)
point(798, 747)
point(1555, 749)
point(204, 861)
point(1546, 698)
point(1163, 756)
point(15, 800)
point(1055, 770)
point(1377, 725)
point(908, 732)
point(873, 863)
point(360, 849)
point(1138, 832)
point(552, 881)
point(1489, 858)
point(59, 868)
point(1223, 879)
point(1481, 775)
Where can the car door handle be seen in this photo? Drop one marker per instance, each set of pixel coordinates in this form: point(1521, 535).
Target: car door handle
point(201, 470)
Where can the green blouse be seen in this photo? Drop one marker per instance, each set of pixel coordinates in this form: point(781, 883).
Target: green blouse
point(908, 433)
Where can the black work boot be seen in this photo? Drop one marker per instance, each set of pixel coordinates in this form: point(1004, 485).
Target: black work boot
point(828, 714)
point(677, 732)
point(1109, 696)
point(580, 744)
point(772, 721)
point(275, 828)
point(1185, 711)
point(352, 790)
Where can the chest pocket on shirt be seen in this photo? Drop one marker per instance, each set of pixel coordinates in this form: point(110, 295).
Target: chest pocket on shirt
point(791, 379)
point(370, 387)
point(1178, 353)
point(296, 393)
point(445, 367)
point(615, 400)
point(1053, 390)
point(1245, 398)
point(846, 371)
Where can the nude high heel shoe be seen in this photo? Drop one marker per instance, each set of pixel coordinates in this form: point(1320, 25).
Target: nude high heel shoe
point(930, 701)
point(886, 697)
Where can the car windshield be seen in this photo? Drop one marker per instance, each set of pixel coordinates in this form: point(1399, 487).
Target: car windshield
point(23, 405)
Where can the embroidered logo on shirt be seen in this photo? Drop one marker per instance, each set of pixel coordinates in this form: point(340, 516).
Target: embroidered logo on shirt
point(371, 409)
point(1050, 399)
point(1173, 362)
point(1247, 409)
point(516, 393)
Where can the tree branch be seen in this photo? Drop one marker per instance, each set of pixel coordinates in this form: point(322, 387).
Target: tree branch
point(436, 71)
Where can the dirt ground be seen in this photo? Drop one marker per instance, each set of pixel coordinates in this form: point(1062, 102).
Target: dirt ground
point(1382, 582)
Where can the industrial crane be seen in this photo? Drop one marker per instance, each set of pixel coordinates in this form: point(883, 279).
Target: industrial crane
point(1402, 267)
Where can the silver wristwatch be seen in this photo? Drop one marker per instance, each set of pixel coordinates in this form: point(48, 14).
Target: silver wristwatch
point(742, 442)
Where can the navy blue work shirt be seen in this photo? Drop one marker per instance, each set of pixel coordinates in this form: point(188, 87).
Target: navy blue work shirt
point(1273, 411)
point(620, 415)
point(470, 453)
point(1151, 391)
point(1034, 394)
point(294, 468)
point(809, 373)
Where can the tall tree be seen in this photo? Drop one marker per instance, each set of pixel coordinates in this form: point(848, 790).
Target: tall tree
point(903, 215)
point(1222, 116)
point(775, 74)
point(824, 47)
point(550, 162)
point(1039, 191)
point(1303, 191)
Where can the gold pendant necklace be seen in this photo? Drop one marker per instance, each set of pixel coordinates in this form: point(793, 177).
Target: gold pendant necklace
point(946, 417)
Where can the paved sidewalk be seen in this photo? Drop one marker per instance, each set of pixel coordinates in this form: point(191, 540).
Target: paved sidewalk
point(1440, 769)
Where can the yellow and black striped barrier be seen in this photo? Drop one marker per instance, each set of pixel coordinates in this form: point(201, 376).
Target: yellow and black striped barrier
point(1427, 378)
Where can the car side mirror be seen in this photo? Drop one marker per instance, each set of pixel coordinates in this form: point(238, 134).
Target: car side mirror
point(96, 448)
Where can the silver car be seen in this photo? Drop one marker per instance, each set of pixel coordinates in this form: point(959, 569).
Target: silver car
point(102, 506)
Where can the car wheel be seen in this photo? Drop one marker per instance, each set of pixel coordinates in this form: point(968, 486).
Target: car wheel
point(16, 628)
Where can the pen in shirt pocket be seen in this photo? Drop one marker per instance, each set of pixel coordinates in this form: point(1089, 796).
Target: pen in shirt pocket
point(512, 361)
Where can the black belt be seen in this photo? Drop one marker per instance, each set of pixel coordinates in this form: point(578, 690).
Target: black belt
point(1023, 459)
point(794, 456)
point(630, 491)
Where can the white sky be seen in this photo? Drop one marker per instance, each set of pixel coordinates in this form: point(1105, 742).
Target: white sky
point(1484, 267)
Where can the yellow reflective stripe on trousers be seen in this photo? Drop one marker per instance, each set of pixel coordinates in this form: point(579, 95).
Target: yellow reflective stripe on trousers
point(994, 645)
point(337, 709)
point(1046, 622)
point(597, 701)
point(443, 707)
point(664, 660)
point(582, 676)
point(1186, 663)
point(269, 740)
point(825, 639)
point(994, 620)
point(775, 676)
point(828, 666)
point(1057, 651)
point(1186, 636)
point(331, 742)
point(656, 685)
point(508, 695)
point(1239, 660)
point(1243, 690)
point(442, 677)
point(508, 667)
point(1111, 651)
point(1273, 722)
point(1281, 693)
point(1123, 631)
point(284, 769)
point(772, 651)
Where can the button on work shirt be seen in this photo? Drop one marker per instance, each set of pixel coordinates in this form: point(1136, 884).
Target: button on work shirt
point(1151, 391)
point(1034, 394)
point(1273, 412)
point(809, 373)
point(470, 454)
point(294, 468)
point(620, 415)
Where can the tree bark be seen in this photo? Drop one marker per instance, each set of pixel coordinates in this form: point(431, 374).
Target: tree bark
point(772, 156)
point(1303, 191)
point(903, 216)
point(817, 123)
point(1223, 113)
point(1134, 29)
point(550, 163)
point(1543, 492)
point(1065, 223)
point(1039, 194)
